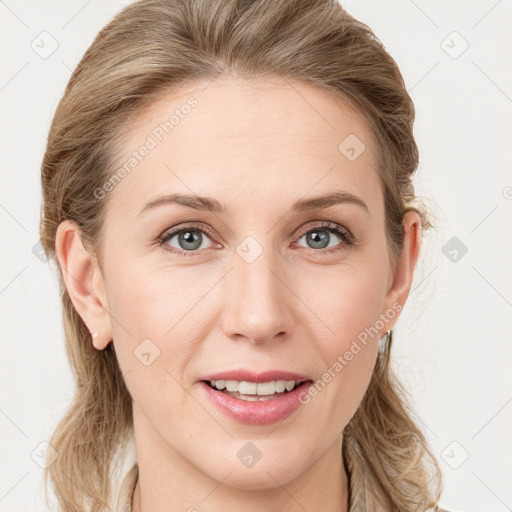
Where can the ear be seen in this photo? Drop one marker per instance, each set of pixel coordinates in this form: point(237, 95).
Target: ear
point(84, 282)
point(405, 265)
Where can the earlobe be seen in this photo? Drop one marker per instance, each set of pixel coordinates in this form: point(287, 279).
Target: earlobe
point(84, 282)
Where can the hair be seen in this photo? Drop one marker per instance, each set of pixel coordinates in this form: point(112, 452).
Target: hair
point(148, 49)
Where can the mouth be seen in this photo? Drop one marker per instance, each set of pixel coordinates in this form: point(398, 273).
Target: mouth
point(256, 399)
point(256, 391)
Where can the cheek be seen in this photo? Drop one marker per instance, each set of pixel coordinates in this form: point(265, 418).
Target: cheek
point(154, 302)
point(350, 308)
point(347, 302)
point(156, 326)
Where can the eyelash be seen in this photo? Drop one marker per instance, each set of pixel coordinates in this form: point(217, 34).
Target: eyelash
point(346, 237)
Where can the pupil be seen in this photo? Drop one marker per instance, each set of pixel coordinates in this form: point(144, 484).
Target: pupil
point(319, 239)
point(190, 237)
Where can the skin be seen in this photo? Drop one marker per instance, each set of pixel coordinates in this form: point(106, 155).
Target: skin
point(255, 146)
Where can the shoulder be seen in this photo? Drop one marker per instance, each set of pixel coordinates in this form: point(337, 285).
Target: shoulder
point(124, 476)
point(126, 490)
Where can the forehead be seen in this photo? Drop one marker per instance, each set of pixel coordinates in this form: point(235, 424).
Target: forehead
point(252, 138)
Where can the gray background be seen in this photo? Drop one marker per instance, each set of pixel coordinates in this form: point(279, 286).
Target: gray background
point(452, 346)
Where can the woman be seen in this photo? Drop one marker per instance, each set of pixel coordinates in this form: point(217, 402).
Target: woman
point(228, 195)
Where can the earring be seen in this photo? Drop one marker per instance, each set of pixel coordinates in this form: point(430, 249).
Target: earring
point(385, 352)
point(94, 334)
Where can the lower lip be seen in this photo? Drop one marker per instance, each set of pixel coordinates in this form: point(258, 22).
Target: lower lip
point(257, 413)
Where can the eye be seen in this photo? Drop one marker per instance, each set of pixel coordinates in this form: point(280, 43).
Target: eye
point(188, 239)
point(318, 237)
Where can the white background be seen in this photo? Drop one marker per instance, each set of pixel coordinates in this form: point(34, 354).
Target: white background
point(453, 344)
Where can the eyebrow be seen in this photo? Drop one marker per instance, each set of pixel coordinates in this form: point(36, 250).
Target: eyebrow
point(212, 205)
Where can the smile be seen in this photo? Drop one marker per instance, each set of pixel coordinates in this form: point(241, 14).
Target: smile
point(254, 391)
point(251, 404)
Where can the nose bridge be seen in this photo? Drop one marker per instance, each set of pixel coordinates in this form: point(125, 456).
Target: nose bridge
point(257, 295)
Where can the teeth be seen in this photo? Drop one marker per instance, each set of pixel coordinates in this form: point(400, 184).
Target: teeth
point(253, 388)
point(231, 385)
point(264, 388)
point(280, 386)
point(247, 388)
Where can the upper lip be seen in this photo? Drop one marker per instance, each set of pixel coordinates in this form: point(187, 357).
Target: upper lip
point(249, 376)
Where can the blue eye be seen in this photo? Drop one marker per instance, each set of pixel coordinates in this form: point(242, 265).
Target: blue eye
point(190, 239)
point(318, 237)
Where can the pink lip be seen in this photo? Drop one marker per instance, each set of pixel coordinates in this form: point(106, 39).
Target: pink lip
point(256, 413)
point(248, 376)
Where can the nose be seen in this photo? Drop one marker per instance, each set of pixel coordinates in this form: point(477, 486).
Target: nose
point(258, 296)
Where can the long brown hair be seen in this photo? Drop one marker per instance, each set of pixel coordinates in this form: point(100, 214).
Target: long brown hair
point(150, 47)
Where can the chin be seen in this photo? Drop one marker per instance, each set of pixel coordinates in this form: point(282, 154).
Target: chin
point(258, 479)
point(271, 473)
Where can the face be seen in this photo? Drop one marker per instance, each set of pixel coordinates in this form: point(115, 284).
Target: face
point(245, 286)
